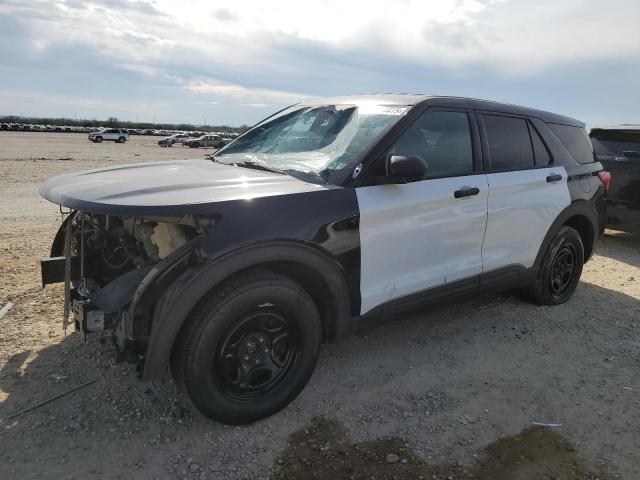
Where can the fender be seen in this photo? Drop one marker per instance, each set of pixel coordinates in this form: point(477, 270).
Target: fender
point(57, 247)
point(192, 285)
point(583, 208)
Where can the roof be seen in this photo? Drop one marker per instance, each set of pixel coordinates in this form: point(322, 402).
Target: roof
point(627, 127)
point(440, 100)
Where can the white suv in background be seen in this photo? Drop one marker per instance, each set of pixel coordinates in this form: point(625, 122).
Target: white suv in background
point(119, 135)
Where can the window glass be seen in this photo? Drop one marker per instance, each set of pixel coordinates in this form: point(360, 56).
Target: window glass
point(576, 140)
point(614, 142)
point(509, 143)
point(442, 140)
point(540, 151)
point(315, 143)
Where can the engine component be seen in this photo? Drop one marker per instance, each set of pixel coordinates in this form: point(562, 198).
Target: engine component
point(167, 237)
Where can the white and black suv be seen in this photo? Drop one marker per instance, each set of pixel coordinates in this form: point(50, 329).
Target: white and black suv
point(119, 135)
point(323, 218)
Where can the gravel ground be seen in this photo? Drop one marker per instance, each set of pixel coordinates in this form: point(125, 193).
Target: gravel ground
point(448, 393)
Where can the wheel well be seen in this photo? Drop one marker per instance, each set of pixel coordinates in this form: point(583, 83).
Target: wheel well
point(315, 285)
point(583, 226)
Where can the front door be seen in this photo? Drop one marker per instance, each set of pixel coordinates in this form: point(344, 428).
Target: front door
point(428, 232)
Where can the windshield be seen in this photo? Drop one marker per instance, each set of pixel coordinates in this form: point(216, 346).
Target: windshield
point(316, 143)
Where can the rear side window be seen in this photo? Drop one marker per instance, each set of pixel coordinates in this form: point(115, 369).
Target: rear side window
point(509, 143)
point(576, 140)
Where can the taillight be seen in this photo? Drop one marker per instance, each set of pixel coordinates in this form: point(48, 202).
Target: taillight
point(605, 178)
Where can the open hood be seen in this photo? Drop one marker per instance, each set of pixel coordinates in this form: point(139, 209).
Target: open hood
point(171, 188)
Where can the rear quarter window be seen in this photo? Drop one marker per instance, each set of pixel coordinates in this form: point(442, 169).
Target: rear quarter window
point(576, 141)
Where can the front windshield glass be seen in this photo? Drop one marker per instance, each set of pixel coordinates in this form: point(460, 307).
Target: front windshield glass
point(316, 143)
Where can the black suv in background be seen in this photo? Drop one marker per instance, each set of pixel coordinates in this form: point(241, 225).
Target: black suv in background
point(325, 217)
point(618, 149)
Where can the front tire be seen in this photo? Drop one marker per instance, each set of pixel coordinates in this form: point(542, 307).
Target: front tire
point(249, 348)
point(98, 140)
point(560, 270)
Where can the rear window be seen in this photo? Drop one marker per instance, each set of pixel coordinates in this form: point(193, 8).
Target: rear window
point(614, 142)
point(509, 143)
point(576, 140)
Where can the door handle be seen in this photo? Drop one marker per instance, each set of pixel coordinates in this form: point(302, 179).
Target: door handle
point(466, 192)
point(554, 177)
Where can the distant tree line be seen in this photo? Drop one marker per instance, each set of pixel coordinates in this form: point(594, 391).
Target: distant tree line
point(114, 122)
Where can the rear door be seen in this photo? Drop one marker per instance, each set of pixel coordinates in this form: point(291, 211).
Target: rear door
point(428, 232)
point(526, 191)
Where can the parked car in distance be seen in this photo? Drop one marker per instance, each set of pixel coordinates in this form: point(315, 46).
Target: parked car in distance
point(118, 135)
point(326, 217)
point(618, 149)
point(173, 139)
point(205, 141)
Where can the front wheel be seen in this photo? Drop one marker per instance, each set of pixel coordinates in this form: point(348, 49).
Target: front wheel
point(560, 269)
point(249, 348)
point(98, 140)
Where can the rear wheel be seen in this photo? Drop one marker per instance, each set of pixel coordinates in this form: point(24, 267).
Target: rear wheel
point(560, 270)
point(121, 140)
point(249, 348)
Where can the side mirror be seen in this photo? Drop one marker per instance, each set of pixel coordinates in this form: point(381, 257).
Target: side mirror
point(401, 167)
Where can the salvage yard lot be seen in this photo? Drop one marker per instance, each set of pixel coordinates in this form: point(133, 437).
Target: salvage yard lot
point(449, 392)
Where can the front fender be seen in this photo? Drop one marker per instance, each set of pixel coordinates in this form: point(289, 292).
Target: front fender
point(192, 285)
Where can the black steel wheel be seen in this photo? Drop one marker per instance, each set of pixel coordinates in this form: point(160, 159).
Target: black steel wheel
point(560, 269)
point(249, 348)
point(256, 353)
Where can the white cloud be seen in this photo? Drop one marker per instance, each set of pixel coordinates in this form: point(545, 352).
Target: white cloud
point(510, 36)
point(240, 94)
point(264, 54)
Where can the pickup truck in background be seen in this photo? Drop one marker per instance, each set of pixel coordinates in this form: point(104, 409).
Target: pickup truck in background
point(618, 149)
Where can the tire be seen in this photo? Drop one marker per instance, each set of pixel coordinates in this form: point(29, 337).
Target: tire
point(560, 269)
point(122, 140)
point(260, 317)
point(98, 140)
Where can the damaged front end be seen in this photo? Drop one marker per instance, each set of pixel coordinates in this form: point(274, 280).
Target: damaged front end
point(103, 261)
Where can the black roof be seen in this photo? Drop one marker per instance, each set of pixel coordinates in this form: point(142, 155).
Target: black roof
point(439, 100)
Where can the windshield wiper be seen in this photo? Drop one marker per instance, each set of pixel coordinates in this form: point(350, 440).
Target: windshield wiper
point(260, 166)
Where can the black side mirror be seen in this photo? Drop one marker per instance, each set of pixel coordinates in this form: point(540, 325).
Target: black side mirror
point(402, 167)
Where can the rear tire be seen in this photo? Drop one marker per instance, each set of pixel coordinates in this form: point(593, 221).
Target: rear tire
point(121, 140)
point(560, 270)
point(249, 348)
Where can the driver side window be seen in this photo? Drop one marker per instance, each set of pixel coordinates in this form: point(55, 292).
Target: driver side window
point(442, 140)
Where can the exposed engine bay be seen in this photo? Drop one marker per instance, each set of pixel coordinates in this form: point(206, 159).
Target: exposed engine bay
point(104, 260)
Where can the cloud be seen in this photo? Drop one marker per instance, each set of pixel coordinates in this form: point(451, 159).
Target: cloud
point(240, 94)
point(242, 53)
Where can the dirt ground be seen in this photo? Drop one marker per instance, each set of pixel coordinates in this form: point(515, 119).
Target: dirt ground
point(450, 393)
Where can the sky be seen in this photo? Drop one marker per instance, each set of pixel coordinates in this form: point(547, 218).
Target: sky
point(236, 62)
